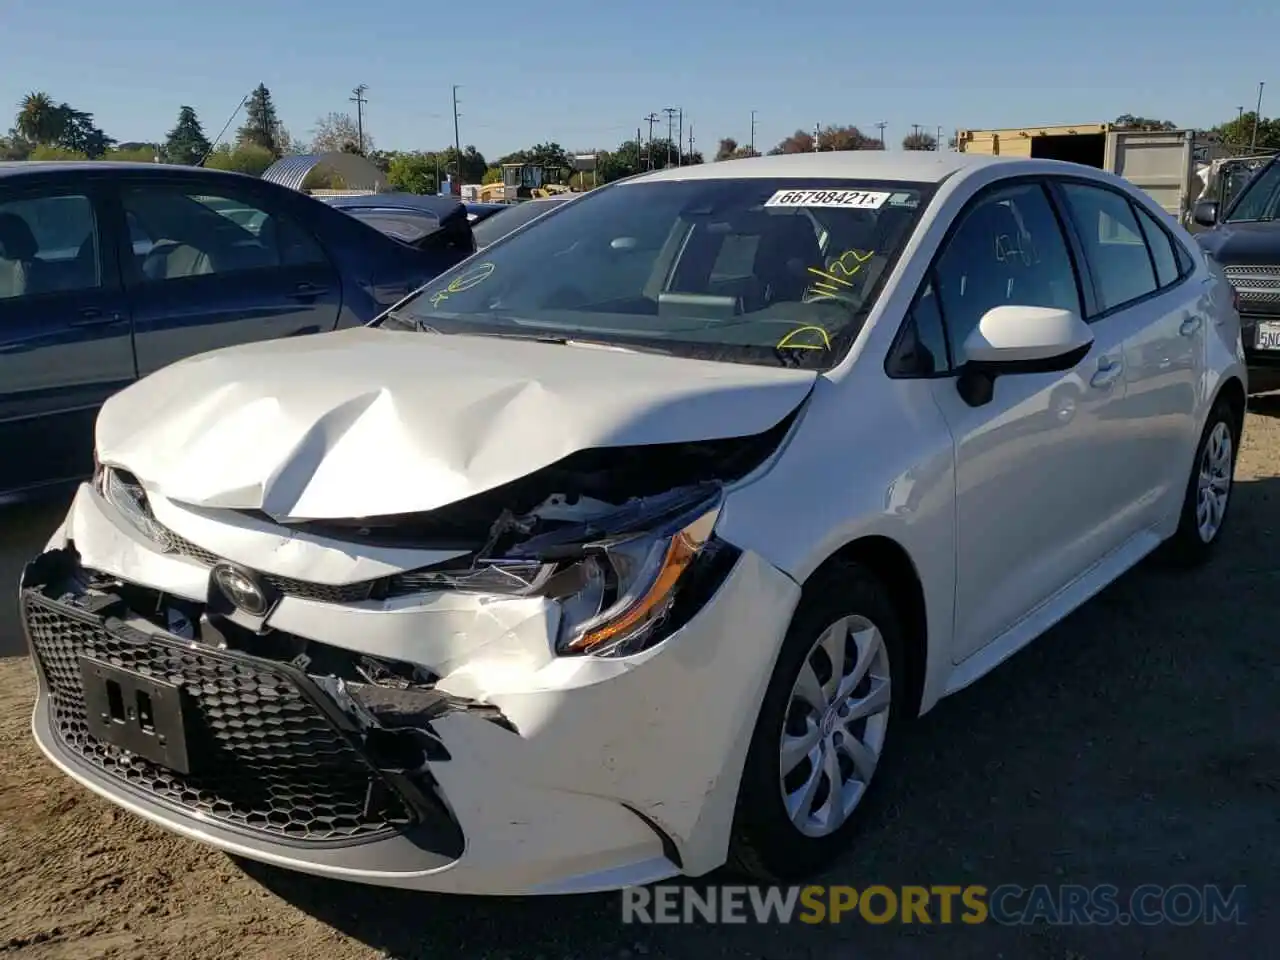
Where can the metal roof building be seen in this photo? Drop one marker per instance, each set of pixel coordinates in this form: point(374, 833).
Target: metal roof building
point(357, 172)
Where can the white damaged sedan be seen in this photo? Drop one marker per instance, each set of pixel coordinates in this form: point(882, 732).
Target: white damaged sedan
point(626, 548)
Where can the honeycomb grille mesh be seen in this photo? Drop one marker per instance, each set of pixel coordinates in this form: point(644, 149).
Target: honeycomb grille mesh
point(268, 760)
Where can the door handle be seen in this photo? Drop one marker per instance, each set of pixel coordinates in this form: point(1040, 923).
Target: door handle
point(304, 291)
point(93, 317)
point(1190, 325)
point(1109, 370)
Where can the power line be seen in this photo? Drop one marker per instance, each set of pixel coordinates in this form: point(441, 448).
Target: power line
point(1257, 118)
point(359, 100)
point(671, 124)
point(651, 119)
point(457, 141)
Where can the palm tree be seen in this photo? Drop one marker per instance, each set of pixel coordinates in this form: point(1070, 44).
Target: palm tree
point(40, 120)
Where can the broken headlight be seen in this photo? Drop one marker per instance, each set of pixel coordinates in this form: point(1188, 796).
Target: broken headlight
point(623, 579)
point(125, 493)
point(614, 598)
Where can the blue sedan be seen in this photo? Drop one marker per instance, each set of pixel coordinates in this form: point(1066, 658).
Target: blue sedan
point(109, 271)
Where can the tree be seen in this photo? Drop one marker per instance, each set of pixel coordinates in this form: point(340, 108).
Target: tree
point(338, 133)
point(728, 149)
point(919, 141)
point(135, 153)
point(1127, 121)
point(247, 158)
point(80, 134)
point(798, 142)
point(413, 172)
point(1238, 134)
point(186, 143)
point(41, 122)
point(46, 151)
point(261, 125)
point(470, 169)
point(846, 138)
point(39, 119)
point(14, 146)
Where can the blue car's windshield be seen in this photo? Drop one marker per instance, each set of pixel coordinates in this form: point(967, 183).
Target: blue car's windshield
point(1260, 197)
point(493, 228)
point(750, 270)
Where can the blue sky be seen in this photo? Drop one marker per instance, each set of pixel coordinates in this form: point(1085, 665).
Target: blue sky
point(585, 74)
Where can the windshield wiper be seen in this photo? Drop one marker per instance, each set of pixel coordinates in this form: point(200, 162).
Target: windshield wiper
point(567, 341)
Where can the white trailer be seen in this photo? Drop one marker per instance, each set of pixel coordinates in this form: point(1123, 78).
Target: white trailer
point(1160, 162)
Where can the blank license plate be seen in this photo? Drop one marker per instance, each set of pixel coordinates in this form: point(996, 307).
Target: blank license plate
point(135, 713)
point(1268, 335)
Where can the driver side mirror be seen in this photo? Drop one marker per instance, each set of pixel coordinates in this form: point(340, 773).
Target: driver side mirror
point(1011, 340)
point(1205, 213)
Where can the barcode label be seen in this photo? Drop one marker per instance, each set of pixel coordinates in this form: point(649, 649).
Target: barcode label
point(852, 199)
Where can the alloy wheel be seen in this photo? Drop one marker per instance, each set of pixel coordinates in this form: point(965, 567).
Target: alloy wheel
point(835, 726)
point(1213, 486)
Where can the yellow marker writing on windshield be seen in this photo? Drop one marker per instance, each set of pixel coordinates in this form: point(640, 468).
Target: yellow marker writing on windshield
point(840, 268)
point(466, 281)
point(786, 341)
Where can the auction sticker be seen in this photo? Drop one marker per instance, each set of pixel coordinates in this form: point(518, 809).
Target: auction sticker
point(850, 199)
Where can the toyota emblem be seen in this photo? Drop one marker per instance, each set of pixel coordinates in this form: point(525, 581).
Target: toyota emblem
point(242, 589)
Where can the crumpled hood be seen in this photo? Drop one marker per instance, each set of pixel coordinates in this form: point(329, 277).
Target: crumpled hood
point(371, 422)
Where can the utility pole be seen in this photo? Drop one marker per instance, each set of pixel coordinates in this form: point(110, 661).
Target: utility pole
point(937, 142)
point(752, 148)
point(1239, 113)
point(457, 141)
point(651, 119)
point(671, 124)
point(359, 100)
point(880, 126)
point(1257, 118)
point(638, 142)
point(680, 141)
point(817, 132)
point(691, 141)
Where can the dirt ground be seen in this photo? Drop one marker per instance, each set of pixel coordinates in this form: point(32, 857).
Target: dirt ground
point(1136, 743)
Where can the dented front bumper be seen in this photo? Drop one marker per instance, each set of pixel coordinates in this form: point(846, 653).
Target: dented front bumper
point(526, 772)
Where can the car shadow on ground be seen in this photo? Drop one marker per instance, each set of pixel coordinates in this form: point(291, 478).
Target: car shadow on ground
point(1265, 405)
point(1132, 744)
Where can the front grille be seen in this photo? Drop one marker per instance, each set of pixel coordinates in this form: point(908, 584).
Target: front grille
point(1265, 269)
point(127, 495)
point(268, 759)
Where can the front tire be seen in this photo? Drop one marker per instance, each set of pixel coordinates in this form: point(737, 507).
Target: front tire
point(1208, 495)
point(827, 725)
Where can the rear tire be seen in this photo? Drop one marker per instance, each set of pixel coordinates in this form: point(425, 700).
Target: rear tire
point(1207, 500)
point(790, 823)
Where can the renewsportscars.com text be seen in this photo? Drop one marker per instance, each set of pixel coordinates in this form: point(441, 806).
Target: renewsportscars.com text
point(1007, 904)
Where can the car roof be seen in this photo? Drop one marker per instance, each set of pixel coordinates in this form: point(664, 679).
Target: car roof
point(9, 168)
point(920, 166)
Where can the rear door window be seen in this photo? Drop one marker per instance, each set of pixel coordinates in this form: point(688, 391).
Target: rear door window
point(48, 244)
point(179, 232)
point(1113, 244)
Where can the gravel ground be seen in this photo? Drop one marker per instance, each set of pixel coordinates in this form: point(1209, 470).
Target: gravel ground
point(1136, 743)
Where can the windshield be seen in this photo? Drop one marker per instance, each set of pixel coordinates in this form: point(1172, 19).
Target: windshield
point(496, 226)
point(1260, 197)
point(748, 270)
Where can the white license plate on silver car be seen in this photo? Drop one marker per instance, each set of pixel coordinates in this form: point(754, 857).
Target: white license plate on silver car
point(1268, 335)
